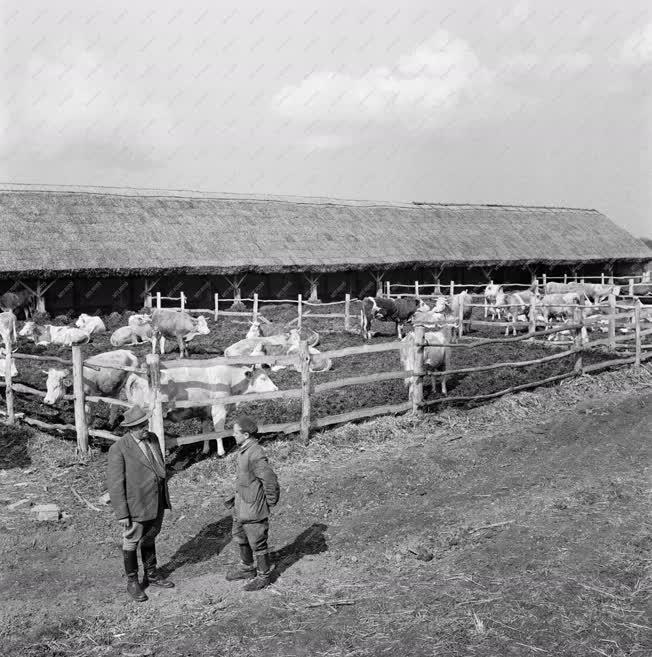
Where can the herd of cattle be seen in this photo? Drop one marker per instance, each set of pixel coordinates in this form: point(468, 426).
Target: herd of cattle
point(189, 380)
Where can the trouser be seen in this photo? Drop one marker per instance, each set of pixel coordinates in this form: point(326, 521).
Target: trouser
point(143, 533)
point(253, 534)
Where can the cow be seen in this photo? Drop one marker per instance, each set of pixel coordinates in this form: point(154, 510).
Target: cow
point(103, 382)
point(399, 311)
point(318, 363)
point(494, 298)
point(436, 354)
point(8, 328)
point(558, 305)
point(263, 330)
point(176, 324)
point(14, 371)
point(139, 330)
point(50, 334)
point(462, 301)
point(518, 304)
point(91, 324)
point(200, 380)
point(23, 300)
point(274, 345)
point(438, 314)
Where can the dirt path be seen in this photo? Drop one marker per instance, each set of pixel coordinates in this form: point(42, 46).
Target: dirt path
point(538, 532)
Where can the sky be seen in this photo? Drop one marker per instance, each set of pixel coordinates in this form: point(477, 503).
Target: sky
point(525, 103)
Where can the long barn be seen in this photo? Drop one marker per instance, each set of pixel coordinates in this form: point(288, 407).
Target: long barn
point(93, 249)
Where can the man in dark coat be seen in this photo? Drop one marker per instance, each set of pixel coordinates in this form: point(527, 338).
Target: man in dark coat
point(139, 496)
point(256, 490)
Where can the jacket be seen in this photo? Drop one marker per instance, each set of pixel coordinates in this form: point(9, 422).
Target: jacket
point(256, 485)
point(132, 481)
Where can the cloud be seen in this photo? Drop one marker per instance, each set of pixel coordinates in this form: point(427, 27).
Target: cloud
point(73, 102)
point(327, 142)
point(441, 80)
point(637, 49)
point(534, 66)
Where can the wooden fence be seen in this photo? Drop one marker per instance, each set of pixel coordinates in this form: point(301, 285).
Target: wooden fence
point(308, 387)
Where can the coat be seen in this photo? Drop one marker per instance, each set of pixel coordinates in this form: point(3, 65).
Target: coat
point(256, 485)
point(132, 481)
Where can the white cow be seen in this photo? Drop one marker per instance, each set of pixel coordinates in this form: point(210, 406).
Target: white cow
point(494, 298)
point(139, 330)
point(179, 325)
point(14, 371)
point(50, 334)
point(91, 324)
point(200, 380)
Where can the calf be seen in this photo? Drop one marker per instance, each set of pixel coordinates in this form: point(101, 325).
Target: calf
point(176, 324)
point(399, 311)
point(436, 354)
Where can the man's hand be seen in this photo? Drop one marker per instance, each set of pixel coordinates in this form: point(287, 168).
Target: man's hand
point(125, 523)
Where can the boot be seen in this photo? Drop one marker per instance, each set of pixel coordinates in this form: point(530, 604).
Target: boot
point(152, 575)
point(246, 569)
point(131, 569)
point(264, 576)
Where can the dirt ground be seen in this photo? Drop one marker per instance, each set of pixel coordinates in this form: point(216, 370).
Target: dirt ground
point(521, 527)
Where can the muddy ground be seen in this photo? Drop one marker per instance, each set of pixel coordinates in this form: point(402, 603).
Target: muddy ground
point(228, 330)
point(520, 527)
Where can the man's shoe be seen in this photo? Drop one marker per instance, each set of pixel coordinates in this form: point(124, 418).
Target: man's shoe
point(131, 570)
point(152, 575)
point(246, 569)
point(264, 576)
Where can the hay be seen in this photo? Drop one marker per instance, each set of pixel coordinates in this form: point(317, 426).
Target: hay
point(99, 232)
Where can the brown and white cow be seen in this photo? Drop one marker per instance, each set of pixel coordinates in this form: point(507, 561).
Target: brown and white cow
point(103, 382)
point(50, 334)
point(176, 324)
point(200, 380)
point(399, 311)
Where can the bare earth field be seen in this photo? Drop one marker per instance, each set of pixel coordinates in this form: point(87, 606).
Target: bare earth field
point(520, 527)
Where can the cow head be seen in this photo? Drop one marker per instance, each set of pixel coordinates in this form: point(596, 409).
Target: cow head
point(254, 331)
point(56, 383)
point(441, 305)
point(258, 380)
point(82, 321)
point(201, 327)
point(139, 320)
point(28, 330)
point(423, 306)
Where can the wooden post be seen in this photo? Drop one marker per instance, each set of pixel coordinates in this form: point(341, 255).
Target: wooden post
point(631, 287)
point(299, 311)
point(255, 306)
point(544, 280)
point(304, 356)
point(217, 306)
point(582, 280)
point(388, 289)
point(637, 329)
point(611, 278)
point(602, 278)
point(532, 315)
point(182, 301)
point(347, 308)
point(9, 392)
point(416, 386)
point(158, 299)
point(460, 317)
point(452, 292)
point(416, 289)
point(437, 285)
point(148, 300)
point(612, 321)
point(565, 278)
point(578, 318)
point(40, 298)
point(312, 280)
point(80, 401)
point(156, 407)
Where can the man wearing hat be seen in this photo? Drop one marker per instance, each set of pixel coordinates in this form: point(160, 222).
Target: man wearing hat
point(139, 496)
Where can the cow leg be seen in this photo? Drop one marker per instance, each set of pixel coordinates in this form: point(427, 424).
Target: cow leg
point(182, 347)
point(219, 416)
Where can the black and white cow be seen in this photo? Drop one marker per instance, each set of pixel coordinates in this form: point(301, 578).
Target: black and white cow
point(399, 311)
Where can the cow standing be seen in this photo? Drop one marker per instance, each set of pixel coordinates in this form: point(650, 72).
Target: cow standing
point(399, 311)
point(200, 380)
point(103, 382)
point(518, 304)
point(436, 354)
point(176, 324)
point(494, 298)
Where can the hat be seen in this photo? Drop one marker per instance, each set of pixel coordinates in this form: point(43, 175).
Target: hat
point(247, 424)
point(134, 416)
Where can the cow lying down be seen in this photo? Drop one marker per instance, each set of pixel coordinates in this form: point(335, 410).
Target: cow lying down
point(50, 334)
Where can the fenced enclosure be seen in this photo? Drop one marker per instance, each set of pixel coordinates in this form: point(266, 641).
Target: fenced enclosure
point(309, 388)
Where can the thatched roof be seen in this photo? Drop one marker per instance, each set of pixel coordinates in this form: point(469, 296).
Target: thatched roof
point(105, 231)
